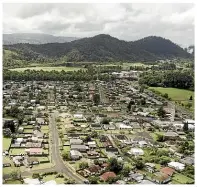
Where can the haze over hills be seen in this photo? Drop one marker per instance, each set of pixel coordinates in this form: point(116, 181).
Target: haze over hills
point(34, 38)
point(103, 48)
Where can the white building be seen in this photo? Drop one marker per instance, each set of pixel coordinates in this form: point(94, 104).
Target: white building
point(177, 165)
point(136, 152)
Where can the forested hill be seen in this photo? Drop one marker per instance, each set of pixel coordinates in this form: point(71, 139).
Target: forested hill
point(103, 48)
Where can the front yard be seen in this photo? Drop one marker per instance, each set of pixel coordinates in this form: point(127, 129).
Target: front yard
point(6, 143)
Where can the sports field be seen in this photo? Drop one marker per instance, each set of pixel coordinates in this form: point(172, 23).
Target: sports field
point(57, 68)
point(175, 94)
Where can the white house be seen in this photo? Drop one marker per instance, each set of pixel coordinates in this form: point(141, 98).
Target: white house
point(136, 152)
point(177, 165)
point(75, 155)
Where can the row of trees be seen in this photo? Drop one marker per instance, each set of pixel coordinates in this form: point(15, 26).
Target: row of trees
point(175, 79)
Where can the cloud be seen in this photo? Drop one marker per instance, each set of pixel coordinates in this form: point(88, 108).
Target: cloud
point(125, 21)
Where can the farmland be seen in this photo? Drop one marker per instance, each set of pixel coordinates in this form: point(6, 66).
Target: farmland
point(59, 68)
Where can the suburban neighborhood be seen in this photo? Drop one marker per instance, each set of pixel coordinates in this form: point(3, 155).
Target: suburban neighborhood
point(98, 132)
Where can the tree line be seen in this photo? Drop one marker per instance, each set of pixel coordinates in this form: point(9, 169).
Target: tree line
point(174, 79)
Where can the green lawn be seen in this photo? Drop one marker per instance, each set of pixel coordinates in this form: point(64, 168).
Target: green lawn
point(43, 158)
point(7, 160)
point(58, 68)
point(181, 179)
point(42, 166)
point(52, 177)
point(67, 148)
point(6, 143)
point(13, 182)
point(28, 131)
point(175, 94)
point(8, 170)
point(16, 151)
point(179, 95)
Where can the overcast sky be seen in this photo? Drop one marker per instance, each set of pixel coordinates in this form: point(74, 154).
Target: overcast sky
point(124, 21)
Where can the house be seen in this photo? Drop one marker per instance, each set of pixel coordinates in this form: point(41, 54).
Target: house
point(105, 176)
point(76, 141)
point(142, 143)
point(94, 170)
point(161, 178)
point(32, 161)
point(92, 144)
point(187, 160)
point(167, 170)
point(123, 126)
point(93, 153)
point(81, 148)
point(136, 176)
point(109, 126)
point(136, 152)
point(177, 166)
point(18, 160)
point(34, 151)
point(75, 155)
point(150, 167)
point(170, 135)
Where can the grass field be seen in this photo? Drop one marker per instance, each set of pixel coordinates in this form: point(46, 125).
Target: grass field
point(17, 151)
point(58, 68)
point(179, 95)
point(181, 179)
point(175, 94)
point(6, 143)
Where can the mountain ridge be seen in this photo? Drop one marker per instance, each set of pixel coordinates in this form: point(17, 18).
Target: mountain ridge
point(104, 47)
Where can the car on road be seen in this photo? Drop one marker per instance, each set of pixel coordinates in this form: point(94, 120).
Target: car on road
point(86, 182)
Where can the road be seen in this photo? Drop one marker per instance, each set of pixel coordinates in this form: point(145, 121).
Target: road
point(59, 165)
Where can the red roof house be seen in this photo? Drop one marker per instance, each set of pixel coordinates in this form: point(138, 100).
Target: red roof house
point(105, 176)
point(168, 171)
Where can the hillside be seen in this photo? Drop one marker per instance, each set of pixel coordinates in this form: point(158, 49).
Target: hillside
point(34, 38)
point(161, 47)
point(103, 48)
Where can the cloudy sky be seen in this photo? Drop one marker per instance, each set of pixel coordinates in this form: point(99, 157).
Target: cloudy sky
point(124, 21)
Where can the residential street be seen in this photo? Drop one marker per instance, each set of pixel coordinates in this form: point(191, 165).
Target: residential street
point(56, 158)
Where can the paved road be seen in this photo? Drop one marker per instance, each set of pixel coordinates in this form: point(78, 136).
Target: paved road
point(59, 165)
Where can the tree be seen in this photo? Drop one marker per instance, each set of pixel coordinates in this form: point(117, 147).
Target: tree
point(125, 171)
point(191, 98)
point(161, 112)
point(7, 132)
point(165, 95)
point(96, 99)
point(130, 104)
point(105, 121)
point(188, 105)
point(94, 134)
point(160, 138)
point(114, 165)
point(83, 165)
point(14, 175)
point(35, 175)
point(111, 180)
point(164, 160)
point(139, 164)
point(93, 180)
point(185, 127)
point(65, 155)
